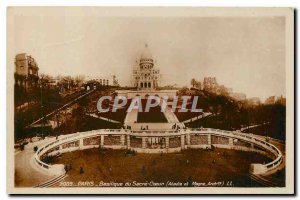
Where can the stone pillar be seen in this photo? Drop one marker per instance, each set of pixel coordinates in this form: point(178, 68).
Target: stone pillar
point(188, 139)
point(231, 142)
point(182, 142)
point(209, 139)
point(128, 141)
point(144, 142)
point(167, 142)
point(122, 140)
point(80, 143)
point(102, 141)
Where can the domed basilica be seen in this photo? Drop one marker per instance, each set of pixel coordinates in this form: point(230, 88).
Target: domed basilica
point(146, 77)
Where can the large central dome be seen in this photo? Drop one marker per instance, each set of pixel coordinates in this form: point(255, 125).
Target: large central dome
point(146, 61)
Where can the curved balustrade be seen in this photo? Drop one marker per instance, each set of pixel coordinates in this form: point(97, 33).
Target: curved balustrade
point(152, 135)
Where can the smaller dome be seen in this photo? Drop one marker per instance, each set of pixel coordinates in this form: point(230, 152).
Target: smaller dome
point(146, 54)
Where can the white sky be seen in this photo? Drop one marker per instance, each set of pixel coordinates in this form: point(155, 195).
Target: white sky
point(247, 54)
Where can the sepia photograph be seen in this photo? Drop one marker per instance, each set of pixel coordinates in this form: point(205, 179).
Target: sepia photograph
point(150, 100)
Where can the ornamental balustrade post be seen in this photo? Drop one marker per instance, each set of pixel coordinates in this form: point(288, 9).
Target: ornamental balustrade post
point(167, 142)
point(81, 143)
point(144, 142)
point(182, 141)
point(102, 140)
point(128, 141)
point(209, 139)
point(252, 143)
point(122, 139)
point(188, 139)
point(231, 142)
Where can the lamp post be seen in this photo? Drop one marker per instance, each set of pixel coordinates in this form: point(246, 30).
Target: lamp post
point(42, 109)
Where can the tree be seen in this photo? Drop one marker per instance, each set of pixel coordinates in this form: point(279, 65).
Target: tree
point(79, 80)
point(183, 91)
point(198, 85)
point(193, 82)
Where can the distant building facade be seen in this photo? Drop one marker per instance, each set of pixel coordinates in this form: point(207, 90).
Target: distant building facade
point(146, 76)
point(210, 84)
point(104, 81)
point(26, 72)
point(238, 96)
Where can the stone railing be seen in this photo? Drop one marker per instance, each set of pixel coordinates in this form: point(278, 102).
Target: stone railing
point(252, 139)
point(54, 169)
point(153, 138)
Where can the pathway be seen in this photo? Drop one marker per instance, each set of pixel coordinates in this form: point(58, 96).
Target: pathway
point(103, 118)
point(205, 114)
point(62, 107)
point(27, 173)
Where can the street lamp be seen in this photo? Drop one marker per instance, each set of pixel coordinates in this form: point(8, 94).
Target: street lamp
point(42, 108)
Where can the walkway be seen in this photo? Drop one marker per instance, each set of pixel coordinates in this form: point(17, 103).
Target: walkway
point(268, 178)
point(205, 114)
point(254, 126)
point(170, 116)
point(27, 173)
point(103, 118)
point(131, 117)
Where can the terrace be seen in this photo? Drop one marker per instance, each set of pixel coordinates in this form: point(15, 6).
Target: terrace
point(120, 113)
point(153, 116)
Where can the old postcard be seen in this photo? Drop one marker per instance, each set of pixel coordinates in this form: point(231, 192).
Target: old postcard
point(104, 100)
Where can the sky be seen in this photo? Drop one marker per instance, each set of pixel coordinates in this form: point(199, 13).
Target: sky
point(243, 53)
